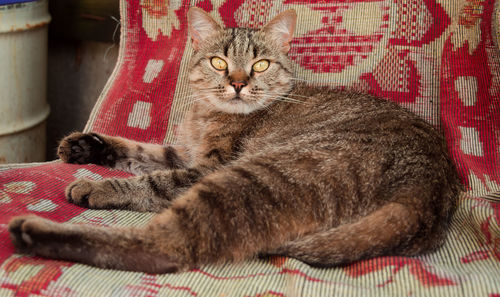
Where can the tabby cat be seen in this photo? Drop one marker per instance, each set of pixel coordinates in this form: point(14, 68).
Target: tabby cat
point(265, 166)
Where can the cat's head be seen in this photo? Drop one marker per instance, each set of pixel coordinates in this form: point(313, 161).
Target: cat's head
point(238, 70)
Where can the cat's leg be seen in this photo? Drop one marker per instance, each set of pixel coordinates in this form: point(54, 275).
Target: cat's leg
point(229, 215)
point(117, 248)
point(394, 229)
point(150, 192)
point(119, 153)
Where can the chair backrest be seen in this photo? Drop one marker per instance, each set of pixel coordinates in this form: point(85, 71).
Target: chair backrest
point(438, 58)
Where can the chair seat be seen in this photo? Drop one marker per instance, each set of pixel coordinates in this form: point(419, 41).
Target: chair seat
point(467, 265)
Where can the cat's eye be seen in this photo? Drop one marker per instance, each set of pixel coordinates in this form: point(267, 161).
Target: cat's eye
point(218, 63)
point(260, 66)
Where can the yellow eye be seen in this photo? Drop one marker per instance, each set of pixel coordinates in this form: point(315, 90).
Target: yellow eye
point(218, 63)
point(260, 66)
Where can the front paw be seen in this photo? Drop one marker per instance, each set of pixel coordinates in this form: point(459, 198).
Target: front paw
point(94, 194)
point(81, 192)
point(84, 148)
point(26, 231)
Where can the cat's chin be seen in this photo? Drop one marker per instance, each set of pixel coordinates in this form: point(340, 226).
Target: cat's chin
point(236, 105)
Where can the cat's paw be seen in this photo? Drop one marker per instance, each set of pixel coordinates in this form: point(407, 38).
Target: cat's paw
point(93, 194)
point(84, 148)
point(82, 192)
point(26, 232)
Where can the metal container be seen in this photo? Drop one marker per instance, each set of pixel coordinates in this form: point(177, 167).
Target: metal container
point(23, 80)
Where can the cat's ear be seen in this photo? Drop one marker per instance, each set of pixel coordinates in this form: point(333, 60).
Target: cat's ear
point(281, 28)
point(201, 26)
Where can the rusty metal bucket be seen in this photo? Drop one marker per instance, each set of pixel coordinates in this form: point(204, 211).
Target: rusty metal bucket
point(23, 81)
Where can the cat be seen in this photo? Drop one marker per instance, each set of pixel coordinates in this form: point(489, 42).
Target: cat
point(265, 165)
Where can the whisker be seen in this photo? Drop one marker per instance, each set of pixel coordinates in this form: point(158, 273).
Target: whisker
point(286, 99)
point(190, 91)
point(283, 94)
point(190, 96)
point(286, 96)
point(280, 100)
point(192, 102)
point(189, 99)
point(289, 95)
point(305, 80)
point(187, 96)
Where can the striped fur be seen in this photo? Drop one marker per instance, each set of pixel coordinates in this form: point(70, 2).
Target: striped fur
point(325, 176)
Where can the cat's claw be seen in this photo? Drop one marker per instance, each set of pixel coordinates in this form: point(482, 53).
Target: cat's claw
point(84, 148)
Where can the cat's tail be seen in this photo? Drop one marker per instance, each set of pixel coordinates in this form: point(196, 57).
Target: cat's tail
point(391, 230)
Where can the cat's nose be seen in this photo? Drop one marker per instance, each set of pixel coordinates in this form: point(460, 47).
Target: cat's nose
point(238, 85)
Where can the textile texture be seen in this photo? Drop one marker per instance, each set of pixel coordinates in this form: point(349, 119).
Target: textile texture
point(438, 58)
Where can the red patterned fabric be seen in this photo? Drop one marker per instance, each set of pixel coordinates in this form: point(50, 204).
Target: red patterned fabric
point(438, 58)
point(470, 93)
point(40, 190)
point(145, 82)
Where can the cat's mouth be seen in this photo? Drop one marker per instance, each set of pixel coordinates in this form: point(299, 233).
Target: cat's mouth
point(236, 99)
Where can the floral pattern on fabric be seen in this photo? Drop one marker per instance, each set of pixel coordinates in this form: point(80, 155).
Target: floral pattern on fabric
point(159, 18)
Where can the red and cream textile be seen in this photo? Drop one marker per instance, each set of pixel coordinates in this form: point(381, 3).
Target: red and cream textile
point(438, 58)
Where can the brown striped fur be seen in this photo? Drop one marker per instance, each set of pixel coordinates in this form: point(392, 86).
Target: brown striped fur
point(265, 166)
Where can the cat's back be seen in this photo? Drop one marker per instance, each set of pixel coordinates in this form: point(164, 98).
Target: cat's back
point(368, 142)
point(321, 116)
